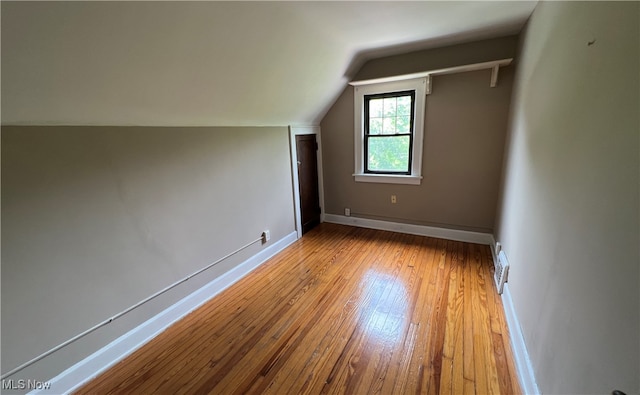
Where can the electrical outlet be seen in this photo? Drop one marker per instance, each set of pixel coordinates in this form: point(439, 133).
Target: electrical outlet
point(266, 236)
point(347, 212)
point(394, 200)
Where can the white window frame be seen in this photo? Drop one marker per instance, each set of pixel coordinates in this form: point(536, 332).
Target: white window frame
point(419, 85)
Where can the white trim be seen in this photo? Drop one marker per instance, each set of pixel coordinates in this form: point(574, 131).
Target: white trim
point(87, 369)
point(494, 253)
point(293, 132)
point(388, 179)
point(419, 85)
point(295, 182)
point(449, 70)
point(420, 230)
point(524, 367)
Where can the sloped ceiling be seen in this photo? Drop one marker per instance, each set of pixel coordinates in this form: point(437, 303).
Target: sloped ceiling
point(213, 63)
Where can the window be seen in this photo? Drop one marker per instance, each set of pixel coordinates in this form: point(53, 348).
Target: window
point(389, 123)
point(387, 132)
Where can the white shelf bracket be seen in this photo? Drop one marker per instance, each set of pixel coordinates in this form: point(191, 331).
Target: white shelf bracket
point(494, 76)
point(428, 79)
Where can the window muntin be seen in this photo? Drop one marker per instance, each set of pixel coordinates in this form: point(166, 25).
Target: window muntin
point(388, 132)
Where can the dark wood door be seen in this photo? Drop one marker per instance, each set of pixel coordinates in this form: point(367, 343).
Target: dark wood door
point(307, 151)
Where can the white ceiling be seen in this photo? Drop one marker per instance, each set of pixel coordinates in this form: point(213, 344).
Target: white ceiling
point(213, 63)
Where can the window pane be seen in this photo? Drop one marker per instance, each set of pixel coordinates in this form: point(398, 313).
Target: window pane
point(375, 108)
point(403, 124)
point(404, 105)
point(389, 126)
point(389, 107)
point(388, 153)
point(375, 126)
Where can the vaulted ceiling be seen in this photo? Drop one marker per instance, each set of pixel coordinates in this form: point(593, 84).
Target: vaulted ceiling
point(213, 63)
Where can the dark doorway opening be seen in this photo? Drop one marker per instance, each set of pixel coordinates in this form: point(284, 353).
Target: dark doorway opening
point(307, 152)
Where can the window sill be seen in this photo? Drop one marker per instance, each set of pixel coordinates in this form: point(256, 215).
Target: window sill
point(388, 179)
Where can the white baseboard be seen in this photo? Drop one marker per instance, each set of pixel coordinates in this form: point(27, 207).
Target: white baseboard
point(523, 363)
point(90, 367)
point(420, 230)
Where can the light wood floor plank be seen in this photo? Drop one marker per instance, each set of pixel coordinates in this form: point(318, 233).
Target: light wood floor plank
point(342, 310)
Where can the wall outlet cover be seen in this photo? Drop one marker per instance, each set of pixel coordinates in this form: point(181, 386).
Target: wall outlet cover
point(266, 236)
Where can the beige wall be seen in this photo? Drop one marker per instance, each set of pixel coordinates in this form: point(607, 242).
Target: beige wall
point(95, 219)
point(569, 218)
point(465, 125)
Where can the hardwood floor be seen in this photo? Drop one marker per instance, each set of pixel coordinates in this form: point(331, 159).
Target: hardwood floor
point(342, 310)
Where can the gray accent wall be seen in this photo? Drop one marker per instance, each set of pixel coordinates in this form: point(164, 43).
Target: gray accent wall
point(465, 126)
point(569, 213)
point(95, 219)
